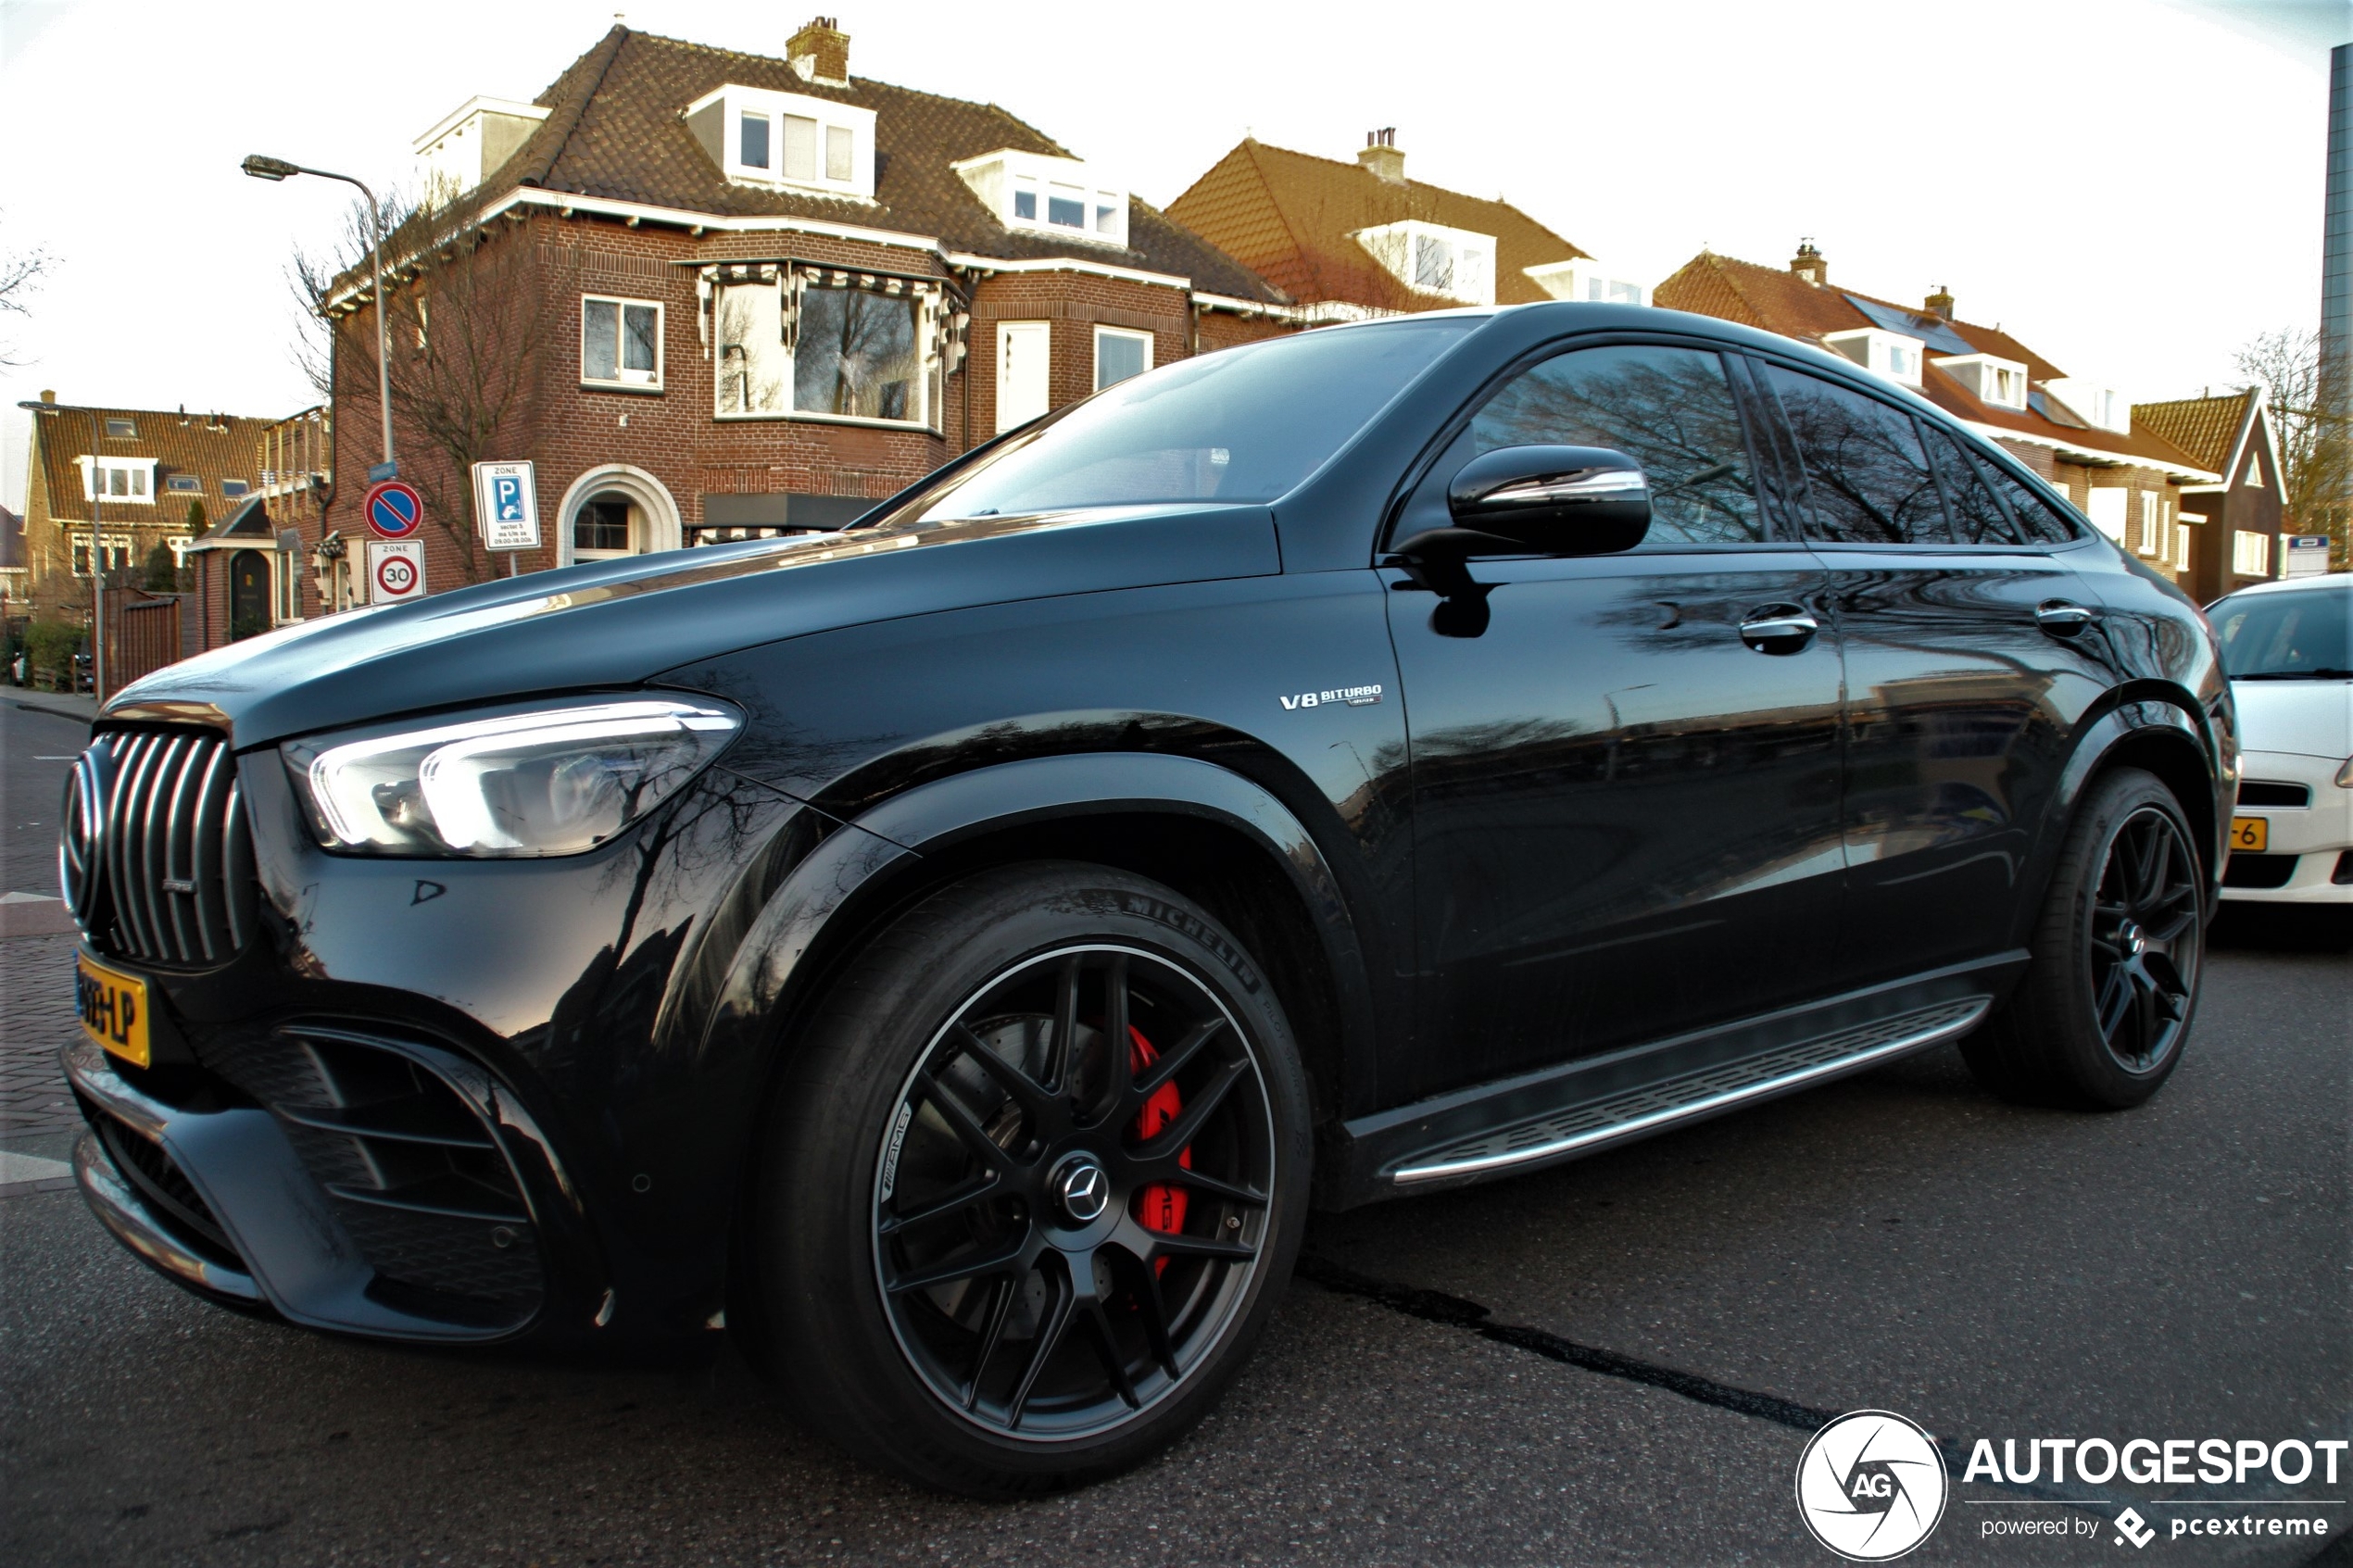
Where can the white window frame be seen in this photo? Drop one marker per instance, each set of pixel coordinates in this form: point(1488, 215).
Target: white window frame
point(183, 485)
point(2251, 554)
point(829, 115)
point(2153, 537)
point(78, 542)
point(635, 527)
point(1126, 333)
point(1000, 177)
point(1990, 378)
point(238, 495)
point(2099, 406)
point(931, 328)
point(139, 480)
point(1588, 281)
point(621, 304)
point(1470, 257)
point(2182, 545)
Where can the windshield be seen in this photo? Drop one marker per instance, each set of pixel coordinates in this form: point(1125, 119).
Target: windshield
point(1244, 424)
point(2306, 635)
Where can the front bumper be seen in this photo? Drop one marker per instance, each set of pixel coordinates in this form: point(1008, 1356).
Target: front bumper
point(2305, 860)
point(413, 1214)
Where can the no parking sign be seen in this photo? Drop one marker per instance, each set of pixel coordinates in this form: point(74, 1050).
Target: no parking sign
point(395, 570)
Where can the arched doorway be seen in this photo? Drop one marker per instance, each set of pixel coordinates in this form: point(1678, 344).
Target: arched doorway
point(248, 593)
point(616, 510)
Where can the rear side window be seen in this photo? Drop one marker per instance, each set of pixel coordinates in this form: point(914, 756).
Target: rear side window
point(1866, 472)
point(1977, 514)
point(2039, 522)
point(1670, 410)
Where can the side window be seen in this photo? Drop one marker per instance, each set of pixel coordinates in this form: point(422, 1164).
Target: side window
point(1670, 410)
point(1865, 470)
point(2039, 522)
point(1977, 514)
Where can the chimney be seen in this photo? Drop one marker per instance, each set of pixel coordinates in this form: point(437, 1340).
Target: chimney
point(47, 395)
point(1379, 154)
point(1940, 303)
point(820, 52)
point(1808, 263)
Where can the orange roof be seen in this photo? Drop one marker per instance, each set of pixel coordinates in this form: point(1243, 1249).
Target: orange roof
point(1293, 218)
point(2208, 429)
point(1777, 300)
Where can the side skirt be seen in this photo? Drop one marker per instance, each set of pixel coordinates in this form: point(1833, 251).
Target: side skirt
point(1582, 1107)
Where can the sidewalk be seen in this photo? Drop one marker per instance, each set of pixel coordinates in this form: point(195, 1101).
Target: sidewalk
point(80, 705)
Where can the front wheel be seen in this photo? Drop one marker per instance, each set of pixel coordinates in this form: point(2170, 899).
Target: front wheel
point(2101, 1017)
point(1032, 1184)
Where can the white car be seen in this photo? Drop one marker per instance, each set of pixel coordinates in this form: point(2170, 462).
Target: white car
point(2288, 646)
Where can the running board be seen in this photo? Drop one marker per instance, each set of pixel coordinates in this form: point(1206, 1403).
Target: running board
point(1503, 1126)
point(1698, 1094)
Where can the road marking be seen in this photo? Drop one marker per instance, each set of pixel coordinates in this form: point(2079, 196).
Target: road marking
point(30, 898)
point(15, 1168)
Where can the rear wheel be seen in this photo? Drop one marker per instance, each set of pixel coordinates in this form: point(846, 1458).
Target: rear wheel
point(1032, 1184)
point(2101, 1017)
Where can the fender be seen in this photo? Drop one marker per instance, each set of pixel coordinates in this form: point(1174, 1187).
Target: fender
point(839, 880)
point(2166, 712)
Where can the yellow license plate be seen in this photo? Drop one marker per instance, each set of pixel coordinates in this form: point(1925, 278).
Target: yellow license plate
point(2250, 834)
point(114, 1009)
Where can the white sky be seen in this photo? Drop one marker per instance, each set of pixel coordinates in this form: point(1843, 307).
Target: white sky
point(2130, 187)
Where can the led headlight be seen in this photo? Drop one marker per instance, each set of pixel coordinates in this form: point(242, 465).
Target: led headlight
point(551, 779)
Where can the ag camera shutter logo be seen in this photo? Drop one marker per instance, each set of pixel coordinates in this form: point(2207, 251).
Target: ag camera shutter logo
point(1871, 1486)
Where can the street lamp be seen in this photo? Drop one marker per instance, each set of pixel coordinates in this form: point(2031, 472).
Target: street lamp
point(97, 551)
point(275, 169)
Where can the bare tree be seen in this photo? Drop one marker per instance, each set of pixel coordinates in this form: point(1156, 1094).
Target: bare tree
point(475, 311)
point(2315, 447)
point(21, 274)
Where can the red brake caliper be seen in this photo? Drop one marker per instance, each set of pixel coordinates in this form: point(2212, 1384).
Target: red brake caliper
point(1160, 1207)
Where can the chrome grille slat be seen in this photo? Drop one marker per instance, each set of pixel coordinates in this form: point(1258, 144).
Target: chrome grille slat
point(158, 860)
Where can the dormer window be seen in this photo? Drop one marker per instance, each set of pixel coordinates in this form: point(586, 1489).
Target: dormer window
point(470, 143)
point(1055, 195)
point(1883, 353)
point(118, 479)
point(1430, 258)
point(1990, 379)
point(786, 140)
point(1587, 280)
point(2102, 406)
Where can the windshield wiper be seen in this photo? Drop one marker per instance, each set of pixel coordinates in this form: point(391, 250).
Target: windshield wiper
point(2322, 673)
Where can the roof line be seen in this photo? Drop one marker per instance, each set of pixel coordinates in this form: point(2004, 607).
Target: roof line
point(611, 46)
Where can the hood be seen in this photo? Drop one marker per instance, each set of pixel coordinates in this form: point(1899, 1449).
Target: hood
point(618, 623)
point(2310, 718)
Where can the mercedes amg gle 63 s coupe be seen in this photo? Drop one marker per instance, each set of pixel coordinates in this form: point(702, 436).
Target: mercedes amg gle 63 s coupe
point(955, 953)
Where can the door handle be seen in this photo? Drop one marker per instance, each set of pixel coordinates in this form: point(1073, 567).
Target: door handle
point(2061, 619)
point(1779, 628)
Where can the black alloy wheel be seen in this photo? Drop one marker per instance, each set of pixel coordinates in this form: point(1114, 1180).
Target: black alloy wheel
point(1031, 1182)
point(2143, 940)
point(1073, 1191)
point(2099, 1020)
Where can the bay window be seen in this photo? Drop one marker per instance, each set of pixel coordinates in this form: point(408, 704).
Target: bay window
point(814, 343)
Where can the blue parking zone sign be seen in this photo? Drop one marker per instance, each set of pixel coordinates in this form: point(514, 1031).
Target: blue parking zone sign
point(506, 506)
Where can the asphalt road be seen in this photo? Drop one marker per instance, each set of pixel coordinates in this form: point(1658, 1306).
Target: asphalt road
point(1429, 1392)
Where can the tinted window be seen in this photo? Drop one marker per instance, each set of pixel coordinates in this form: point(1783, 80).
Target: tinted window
point(1977, 515)
point(2307, 635)
point(1865, 472)
point(1670, 410)
point(2039, 522)
point(1244, 424)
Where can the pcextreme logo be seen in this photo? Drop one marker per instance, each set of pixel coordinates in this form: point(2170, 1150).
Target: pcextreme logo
point(1871, 1486)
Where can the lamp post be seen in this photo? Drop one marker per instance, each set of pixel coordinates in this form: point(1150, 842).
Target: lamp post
point(97, 551)
point(274, 169)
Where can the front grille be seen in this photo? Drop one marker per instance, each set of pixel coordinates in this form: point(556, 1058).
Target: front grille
point(2264, 792)
point(2258, 871)
point(155, 860)
point(414, 1174)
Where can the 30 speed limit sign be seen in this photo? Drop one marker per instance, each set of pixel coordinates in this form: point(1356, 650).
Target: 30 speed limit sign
point(395, 570)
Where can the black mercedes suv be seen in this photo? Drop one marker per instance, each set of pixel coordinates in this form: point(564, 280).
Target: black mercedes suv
point(954, 954)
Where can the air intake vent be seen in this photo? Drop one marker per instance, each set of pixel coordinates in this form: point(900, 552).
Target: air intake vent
point(2263, 792)
point(155, 860)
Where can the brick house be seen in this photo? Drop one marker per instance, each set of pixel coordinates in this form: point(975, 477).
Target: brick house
point(753, 294)
point(16, 567)
point(270, 561)
point(1350, 240)
point(149, 467)
point(2241, 514)
point(2082, 435)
